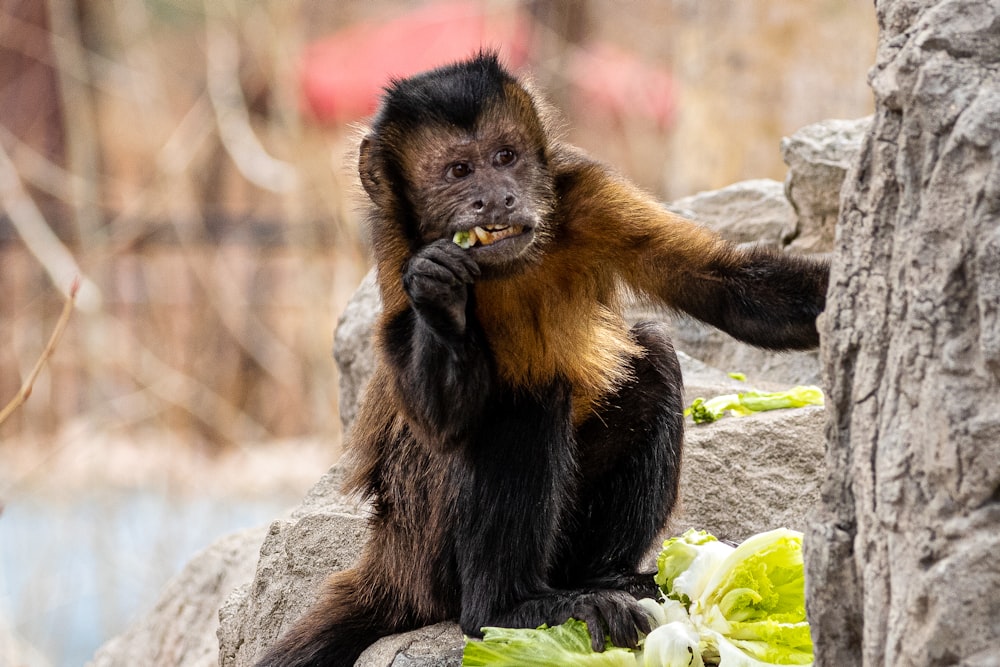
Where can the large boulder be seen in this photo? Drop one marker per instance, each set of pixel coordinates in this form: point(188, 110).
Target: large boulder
point(322, 535)
point(818, 158)
point(901, 562)
point(754, 211)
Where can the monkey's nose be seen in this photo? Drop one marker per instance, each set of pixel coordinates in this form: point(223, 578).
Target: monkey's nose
point(485, 205)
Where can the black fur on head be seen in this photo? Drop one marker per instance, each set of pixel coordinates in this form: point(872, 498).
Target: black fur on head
point(454, 95)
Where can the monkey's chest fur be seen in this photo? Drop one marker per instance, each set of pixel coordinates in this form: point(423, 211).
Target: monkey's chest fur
point(554, 321)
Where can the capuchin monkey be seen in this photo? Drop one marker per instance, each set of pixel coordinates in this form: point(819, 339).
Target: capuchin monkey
point(520, 444)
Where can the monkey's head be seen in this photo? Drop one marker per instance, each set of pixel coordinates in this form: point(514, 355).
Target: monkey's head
point(461, 150)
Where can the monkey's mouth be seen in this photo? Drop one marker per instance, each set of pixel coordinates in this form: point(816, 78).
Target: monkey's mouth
point(485, 235)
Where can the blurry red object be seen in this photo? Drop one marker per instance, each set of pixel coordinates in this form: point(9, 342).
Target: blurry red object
point(343, 75)
point(621, 85)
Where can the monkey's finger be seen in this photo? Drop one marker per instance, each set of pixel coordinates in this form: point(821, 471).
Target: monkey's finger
point(422, 269)
point(621, 621)
point(465, 268)
point(595, 625)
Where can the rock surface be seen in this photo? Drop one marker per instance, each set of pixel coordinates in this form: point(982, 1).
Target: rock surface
point(818, 158)
point(181, 628)
point(745, 475)
point(902, 561)
point(352, 346)
point(747, 212)
point(324, 534)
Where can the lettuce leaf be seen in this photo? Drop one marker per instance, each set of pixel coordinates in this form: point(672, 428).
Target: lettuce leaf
point(673, 644)
point(565, 645)
point(685, 564)
point(706, 411)
point(752, 609)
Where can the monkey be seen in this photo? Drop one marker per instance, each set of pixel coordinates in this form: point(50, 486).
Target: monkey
point(520, 444)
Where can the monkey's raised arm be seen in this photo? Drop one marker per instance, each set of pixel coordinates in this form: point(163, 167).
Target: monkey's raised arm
point(756, 294)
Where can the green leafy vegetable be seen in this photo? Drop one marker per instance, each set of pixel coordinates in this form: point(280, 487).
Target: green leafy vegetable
point(703, 412)
point(565, 645)
point(751, 609)
point(726, 606)
point(685, 562)
point(673, 644)
point(463, 239)
point(738, 376)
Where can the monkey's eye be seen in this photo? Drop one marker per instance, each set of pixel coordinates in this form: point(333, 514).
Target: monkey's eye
point(459, 170)
point(504, 157)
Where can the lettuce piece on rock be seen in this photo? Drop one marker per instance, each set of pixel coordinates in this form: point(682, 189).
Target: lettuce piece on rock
point(706, 411)
point(565, 645)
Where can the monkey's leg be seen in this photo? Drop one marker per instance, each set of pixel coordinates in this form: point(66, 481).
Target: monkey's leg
point(522, 470)
point(630, 464)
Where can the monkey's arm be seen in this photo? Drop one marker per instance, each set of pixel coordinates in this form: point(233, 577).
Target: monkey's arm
point(756, 294)
point(443, 373)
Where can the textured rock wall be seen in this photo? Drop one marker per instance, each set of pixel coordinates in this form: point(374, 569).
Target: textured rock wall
point(902, 567)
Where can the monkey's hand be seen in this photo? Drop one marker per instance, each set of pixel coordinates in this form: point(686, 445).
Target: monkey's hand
point(437, 280)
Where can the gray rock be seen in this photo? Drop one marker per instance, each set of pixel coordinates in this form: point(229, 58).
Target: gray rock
point(438, 645)
point(323, 535)
point(180, 630)
point(745, 475)
point(753, 211)
point(818, 158)
point(352, 346)
point(901, 564)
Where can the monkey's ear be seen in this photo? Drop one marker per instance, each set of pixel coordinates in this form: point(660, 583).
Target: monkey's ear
point(371, 177)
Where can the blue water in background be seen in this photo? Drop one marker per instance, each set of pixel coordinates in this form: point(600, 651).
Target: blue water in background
point(75, 572)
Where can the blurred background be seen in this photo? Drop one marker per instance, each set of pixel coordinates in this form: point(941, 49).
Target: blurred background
point(193, 163)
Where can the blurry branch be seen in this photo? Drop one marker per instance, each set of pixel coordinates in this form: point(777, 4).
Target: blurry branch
point(37, 169)
point(233, 118)
point(187, 139)
point(112, 72)
point(175, 157)
point(79, 121)
point(225, 295)
point(30, 224)
point(174, 161)
point(29, 382)
point(171, 385)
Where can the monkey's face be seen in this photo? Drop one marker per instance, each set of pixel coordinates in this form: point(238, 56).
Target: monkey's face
point(490, 192)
